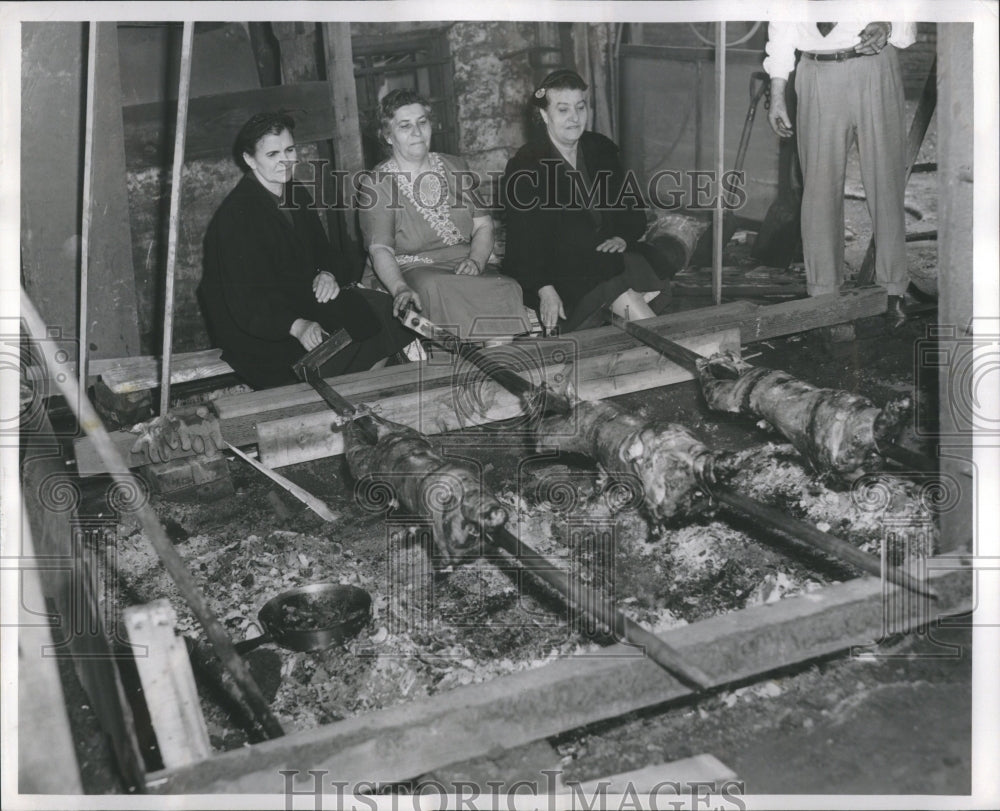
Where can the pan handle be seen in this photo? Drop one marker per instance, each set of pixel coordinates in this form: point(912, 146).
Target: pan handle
point(248, 645)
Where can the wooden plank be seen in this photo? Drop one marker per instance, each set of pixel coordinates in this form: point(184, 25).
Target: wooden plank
point(127, 375)
point(112, 308)
point(656, 779)
point(41, 705)
point(65, 556)
point(167, 683)
point(400, 742)
point(240, 414)
point(447, 408)
point(213, 119)
point(312, 502)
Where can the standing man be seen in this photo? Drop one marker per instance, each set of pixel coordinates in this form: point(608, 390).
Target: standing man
point(849, 88)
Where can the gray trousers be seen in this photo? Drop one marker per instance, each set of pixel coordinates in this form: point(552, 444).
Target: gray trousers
point(840, 102)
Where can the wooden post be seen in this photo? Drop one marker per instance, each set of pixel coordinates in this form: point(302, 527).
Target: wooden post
point(167, 683)
point(88, 165)
point(956, 83)
point(183, 93)
point(298, 54)
point(348, 154)
point(720, 162)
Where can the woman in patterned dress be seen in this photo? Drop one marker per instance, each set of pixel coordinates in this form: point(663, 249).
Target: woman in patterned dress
point(426, 246)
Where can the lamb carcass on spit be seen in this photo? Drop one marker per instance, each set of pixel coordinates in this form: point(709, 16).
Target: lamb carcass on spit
point(448, 492)
point(668, 461)
point(833, 429)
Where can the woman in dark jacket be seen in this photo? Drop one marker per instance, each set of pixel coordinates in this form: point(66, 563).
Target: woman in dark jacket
point(269, 287)
point(572, 221)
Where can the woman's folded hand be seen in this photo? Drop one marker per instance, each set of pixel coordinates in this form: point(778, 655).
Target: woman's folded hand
point(468, 267)
point(613, 245)
point(308, 333)
point(325, 286)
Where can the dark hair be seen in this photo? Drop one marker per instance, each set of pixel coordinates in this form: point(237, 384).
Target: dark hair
point(562, 79)
point(392, 101)
point(259, 125)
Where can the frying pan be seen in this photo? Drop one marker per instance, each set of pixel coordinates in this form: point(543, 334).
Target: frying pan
point(336, 612)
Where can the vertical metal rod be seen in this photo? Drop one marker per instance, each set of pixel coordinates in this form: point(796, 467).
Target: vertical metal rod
point(720, 159)
point(88, 170)
point(183, 93)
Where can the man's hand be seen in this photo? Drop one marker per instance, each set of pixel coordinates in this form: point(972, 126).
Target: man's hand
point(403, 297)
point(777, 115)
point(468, 267)
point(550, 307)
point(325, 286)
point(613, 245)
point(874, 38)
point(308, 333)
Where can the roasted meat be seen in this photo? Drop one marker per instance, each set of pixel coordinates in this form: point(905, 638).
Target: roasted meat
point(834, 430)
point(668, 463)
point(448, 492)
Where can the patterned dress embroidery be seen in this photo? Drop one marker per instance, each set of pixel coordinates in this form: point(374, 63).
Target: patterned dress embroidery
point(433, 187)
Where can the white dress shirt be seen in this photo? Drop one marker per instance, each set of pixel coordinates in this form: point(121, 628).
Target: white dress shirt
point(784, 39)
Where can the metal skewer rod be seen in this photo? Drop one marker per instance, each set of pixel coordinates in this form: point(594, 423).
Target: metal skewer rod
point(803, 533)
point(688, 358)
point(176, 178)
point(603, 610)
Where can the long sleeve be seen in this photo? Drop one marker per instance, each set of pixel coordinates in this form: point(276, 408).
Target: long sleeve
point(780, 49)
point(531, 228)
point(903, 34)
point(258, 298)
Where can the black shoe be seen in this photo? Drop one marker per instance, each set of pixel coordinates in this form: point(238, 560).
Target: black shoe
point(895, 314)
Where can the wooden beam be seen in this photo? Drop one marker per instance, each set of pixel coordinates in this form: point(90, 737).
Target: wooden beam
point(167, 683)
point(348, 154)
point(66, 563)
point(452, 407)
point(113, 322)
point(401, 742)
point(956, 260)
point(46, 758)
point(127, 375)
point(240, 414)
point(655, 779)
point(213, 120)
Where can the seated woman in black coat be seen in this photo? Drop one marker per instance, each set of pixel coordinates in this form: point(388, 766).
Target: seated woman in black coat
point(573, 252)
point(269, 287)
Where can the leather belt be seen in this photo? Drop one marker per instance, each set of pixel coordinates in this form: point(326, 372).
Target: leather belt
point(833, 56)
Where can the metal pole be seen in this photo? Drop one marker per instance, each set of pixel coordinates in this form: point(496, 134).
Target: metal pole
point(720, 158)
point(592, 602)
point(183, 93)
point(88, 169)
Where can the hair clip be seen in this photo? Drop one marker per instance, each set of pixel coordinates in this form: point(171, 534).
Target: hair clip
point(540, 93)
